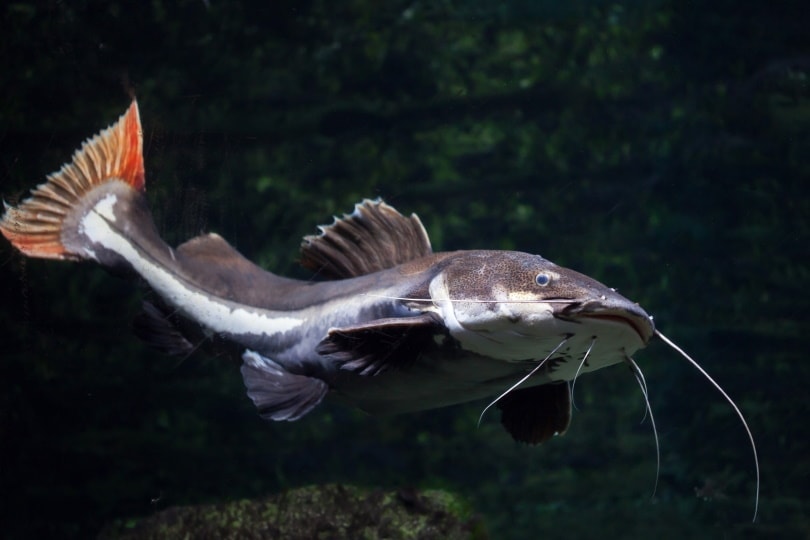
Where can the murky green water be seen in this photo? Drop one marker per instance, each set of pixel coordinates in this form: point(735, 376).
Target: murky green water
point(659, 148)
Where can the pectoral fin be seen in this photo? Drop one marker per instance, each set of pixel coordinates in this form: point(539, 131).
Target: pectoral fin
point(376, 346)
point(534, 415)
point(277, 393)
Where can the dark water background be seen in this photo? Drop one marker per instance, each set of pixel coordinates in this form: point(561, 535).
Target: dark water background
point(660, 147)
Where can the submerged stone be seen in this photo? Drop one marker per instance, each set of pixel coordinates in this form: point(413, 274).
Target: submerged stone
point(330, 511)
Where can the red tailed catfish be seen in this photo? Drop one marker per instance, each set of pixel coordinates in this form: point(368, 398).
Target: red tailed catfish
point(390, 327)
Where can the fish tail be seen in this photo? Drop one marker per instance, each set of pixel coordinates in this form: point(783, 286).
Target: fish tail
point(49, 224)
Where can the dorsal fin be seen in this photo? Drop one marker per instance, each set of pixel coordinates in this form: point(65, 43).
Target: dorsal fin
point(372, 238)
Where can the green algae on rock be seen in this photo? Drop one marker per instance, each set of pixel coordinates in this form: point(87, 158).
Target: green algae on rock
point(330, 511)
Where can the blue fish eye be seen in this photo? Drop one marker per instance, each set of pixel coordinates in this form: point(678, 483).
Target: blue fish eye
point(542, 279)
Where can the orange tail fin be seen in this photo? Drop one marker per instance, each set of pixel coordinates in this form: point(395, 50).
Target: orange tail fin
point(116, 153)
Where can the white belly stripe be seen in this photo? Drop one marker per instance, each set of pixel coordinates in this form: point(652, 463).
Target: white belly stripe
point(217, 315)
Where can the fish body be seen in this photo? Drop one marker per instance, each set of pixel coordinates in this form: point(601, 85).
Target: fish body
point(389, 326)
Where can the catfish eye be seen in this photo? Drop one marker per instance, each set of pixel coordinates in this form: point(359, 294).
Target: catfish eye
point(542, 279)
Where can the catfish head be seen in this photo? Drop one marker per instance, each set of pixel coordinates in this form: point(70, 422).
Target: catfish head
point(518, 307)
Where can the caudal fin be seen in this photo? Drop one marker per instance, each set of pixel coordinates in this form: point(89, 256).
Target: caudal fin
point(38, 225)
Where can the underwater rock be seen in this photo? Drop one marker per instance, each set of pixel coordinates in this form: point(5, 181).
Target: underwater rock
point(330, 511)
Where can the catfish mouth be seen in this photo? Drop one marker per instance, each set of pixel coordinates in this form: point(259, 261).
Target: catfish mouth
point(622, 312)
point(642, 324)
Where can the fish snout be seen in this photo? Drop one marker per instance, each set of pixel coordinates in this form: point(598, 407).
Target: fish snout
point(614, 308)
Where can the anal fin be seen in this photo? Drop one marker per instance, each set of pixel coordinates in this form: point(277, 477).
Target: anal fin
point(157, 329)
point(277, 393)
point(534, 415)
